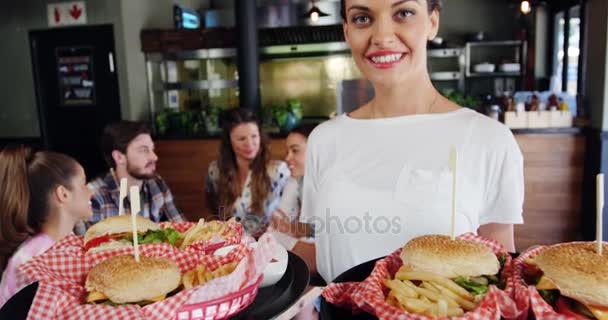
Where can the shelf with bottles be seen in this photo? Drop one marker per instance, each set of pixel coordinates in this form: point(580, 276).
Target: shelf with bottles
point(495, 59)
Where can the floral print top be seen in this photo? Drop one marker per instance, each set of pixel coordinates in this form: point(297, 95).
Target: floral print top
point(279, 175)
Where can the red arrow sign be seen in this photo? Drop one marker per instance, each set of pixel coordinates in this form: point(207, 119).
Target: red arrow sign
point(57, 15)
point(75, 12)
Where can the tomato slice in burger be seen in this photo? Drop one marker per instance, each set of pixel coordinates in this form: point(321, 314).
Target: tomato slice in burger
point(97, 241)
point(562, 306)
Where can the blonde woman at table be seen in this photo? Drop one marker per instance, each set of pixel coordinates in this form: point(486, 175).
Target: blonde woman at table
point(42, 196)
point(244, 182)
point(379, 176)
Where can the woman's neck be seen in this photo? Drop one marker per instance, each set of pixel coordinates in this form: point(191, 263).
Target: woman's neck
point(406, 99)
point(57, 226)
point(242, 169)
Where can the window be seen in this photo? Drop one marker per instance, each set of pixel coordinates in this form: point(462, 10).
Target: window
point(566, 50)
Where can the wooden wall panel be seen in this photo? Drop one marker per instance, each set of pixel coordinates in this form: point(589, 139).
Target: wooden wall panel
point(553, 171)
point(183, 164)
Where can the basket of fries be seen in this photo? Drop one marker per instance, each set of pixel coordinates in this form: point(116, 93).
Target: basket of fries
point(213, 287)
point(395, 291)
point(207, 235)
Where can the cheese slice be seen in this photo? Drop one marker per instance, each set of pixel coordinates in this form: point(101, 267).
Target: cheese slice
point(96, 296)
point(599, 312)
point(546, 284)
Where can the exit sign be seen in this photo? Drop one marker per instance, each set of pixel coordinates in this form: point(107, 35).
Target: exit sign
point(66, 13)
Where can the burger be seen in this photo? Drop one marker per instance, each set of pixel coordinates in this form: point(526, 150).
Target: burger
point(117, 232)
point(122, 280)
point(471, 265)
point(573, 278)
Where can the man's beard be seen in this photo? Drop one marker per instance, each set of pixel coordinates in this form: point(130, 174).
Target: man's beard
point(137, 174)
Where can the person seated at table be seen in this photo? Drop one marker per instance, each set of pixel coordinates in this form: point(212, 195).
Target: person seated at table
point(128, 149)
point(42, 196)
point(244, 182)
point(293, 235)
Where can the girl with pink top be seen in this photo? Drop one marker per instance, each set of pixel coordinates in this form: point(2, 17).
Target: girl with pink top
point(42, 196)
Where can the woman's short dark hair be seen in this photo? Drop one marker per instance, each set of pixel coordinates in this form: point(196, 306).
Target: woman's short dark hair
point(432, 5)
point(304, 129)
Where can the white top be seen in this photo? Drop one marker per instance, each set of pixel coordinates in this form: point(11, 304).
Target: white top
point(372, 185)
point(291, 199)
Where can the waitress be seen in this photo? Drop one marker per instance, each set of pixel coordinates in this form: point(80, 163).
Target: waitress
point(379, 176)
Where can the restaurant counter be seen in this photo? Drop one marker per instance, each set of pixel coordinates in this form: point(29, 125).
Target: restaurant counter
point(553, 169)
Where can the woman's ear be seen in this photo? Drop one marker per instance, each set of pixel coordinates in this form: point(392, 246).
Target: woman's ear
point(61, 194)
point(434, 17)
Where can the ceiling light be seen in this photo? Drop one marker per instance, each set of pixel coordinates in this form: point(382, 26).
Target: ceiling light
point(314, 13)
point(525, 7)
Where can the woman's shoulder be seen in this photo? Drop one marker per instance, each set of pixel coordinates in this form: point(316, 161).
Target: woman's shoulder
point(277, 166)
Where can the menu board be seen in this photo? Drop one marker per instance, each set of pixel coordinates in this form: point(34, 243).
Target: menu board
point(75, 75)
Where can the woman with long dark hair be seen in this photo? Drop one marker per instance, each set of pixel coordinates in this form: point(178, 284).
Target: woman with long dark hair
point(244, 182)
point(42, 196)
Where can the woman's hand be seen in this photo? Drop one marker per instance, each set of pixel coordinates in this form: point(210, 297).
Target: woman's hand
point(280, 222)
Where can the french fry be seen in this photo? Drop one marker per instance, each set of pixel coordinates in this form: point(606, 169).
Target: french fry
point(415, 305)
point(431, 311)
point(188, 280)
point(427, 276)
point(431, 295)
point(455, 312)
point(401, 289)
point(442, 308)
point(427, 285)
point(465, 304)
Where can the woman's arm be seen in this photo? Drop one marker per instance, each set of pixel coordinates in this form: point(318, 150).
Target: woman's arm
point(307, 252)
point(502, 233)
point(296, 229)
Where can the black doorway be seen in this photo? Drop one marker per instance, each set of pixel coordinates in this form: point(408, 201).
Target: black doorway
point(77, 93)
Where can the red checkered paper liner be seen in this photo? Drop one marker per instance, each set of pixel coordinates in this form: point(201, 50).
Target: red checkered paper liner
point(232, 234)
point(370, 295)
point(62, 270)
point(527, 297)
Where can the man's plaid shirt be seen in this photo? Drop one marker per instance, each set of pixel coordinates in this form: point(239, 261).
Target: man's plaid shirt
point(157, 201)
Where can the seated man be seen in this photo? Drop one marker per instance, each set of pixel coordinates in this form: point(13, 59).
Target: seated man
point(128, 149)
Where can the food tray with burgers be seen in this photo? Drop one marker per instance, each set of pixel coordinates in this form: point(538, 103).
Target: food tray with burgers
point(434, 276)
point(116, 232)
point(563, 281)
point(76, 284)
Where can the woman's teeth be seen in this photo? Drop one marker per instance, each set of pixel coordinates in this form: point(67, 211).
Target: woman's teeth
point(387, 58)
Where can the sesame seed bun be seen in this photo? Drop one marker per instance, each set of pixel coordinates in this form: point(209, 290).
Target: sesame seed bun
point(449, 258)
point(123, 280)
point(577, 270)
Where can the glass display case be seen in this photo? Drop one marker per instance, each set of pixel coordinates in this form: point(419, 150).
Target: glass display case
point(188, 90)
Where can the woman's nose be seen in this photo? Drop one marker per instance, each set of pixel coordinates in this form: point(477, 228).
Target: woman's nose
point(383, 33)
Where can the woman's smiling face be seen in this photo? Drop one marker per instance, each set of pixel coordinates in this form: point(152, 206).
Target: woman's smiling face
point(388, 38)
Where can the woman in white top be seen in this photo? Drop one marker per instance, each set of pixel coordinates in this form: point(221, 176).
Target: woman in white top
point(293, 235)
point(244, 182)
point(379, 176)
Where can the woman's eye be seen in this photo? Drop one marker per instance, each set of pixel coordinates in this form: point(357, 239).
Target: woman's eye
point(362, 19)
point(405, 13)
